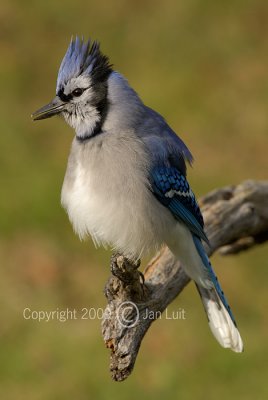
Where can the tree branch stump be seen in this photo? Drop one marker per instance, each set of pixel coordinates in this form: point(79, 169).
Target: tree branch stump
point(236, 219)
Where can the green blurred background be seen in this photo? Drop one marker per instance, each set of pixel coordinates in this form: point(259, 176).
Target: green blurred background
point(203, 65)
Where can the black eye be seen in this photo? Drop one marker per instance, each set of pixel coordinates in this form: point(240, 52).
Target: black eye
point(77, 92)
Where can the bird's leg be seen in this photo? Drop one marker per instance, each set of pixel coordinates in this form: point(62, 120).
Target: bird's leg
point(124, 269)
point(127, 277)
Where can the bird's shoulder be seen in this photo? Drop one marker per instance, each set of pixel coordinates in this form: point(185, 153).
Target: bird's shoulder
point(163, 144)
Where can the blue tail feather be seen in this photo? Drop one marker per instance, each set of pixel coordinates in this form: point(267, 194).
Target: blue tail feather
point(212, 275)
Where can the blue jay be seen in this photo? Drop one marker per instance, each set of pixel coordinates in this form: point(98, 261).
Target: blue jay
point(125, 183)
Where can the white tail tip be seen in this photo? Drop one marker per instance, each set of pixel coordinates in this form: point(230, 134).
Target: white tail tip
point(220, 322)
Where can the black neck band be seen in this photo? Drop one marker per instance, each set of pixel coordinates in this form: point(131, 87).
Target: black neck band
point(96, 131)
point(102, 108)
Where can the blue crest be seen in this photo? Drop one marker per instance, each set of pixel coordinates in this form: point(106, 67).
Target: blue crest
point(83, 58)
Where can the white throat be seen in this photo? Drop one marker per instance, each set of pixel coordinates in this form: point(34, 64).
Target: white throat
point(84, 123)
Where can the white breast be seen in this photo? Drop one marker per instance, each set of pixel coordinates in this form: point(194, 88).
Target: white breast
point(106, 196)
point(80, 202)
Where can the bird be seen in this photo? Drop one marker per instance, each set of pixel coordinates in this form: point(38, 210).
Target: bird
point(125, 183)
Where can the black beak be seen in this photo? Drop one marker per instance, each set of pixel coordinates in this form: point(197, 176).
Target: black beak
point(49, 110)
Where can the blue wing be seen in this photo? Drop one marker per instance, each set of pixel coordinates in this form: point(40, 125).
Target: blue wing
point(171, 188)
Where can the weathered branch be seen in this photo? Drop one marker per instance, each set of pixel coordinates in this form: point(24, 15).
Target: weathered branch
point(236, 219)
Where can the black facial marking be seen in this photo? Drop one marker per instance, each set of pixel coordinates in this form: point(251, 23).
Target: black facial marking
point(63, 96)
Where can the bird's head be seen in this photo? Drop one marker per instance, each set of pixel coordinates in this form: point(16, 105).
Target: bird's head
point(81, 92)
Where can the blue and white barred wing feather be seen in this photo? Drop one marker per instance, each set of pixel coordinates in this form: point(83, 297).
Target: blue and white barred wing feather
point(171, 188)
